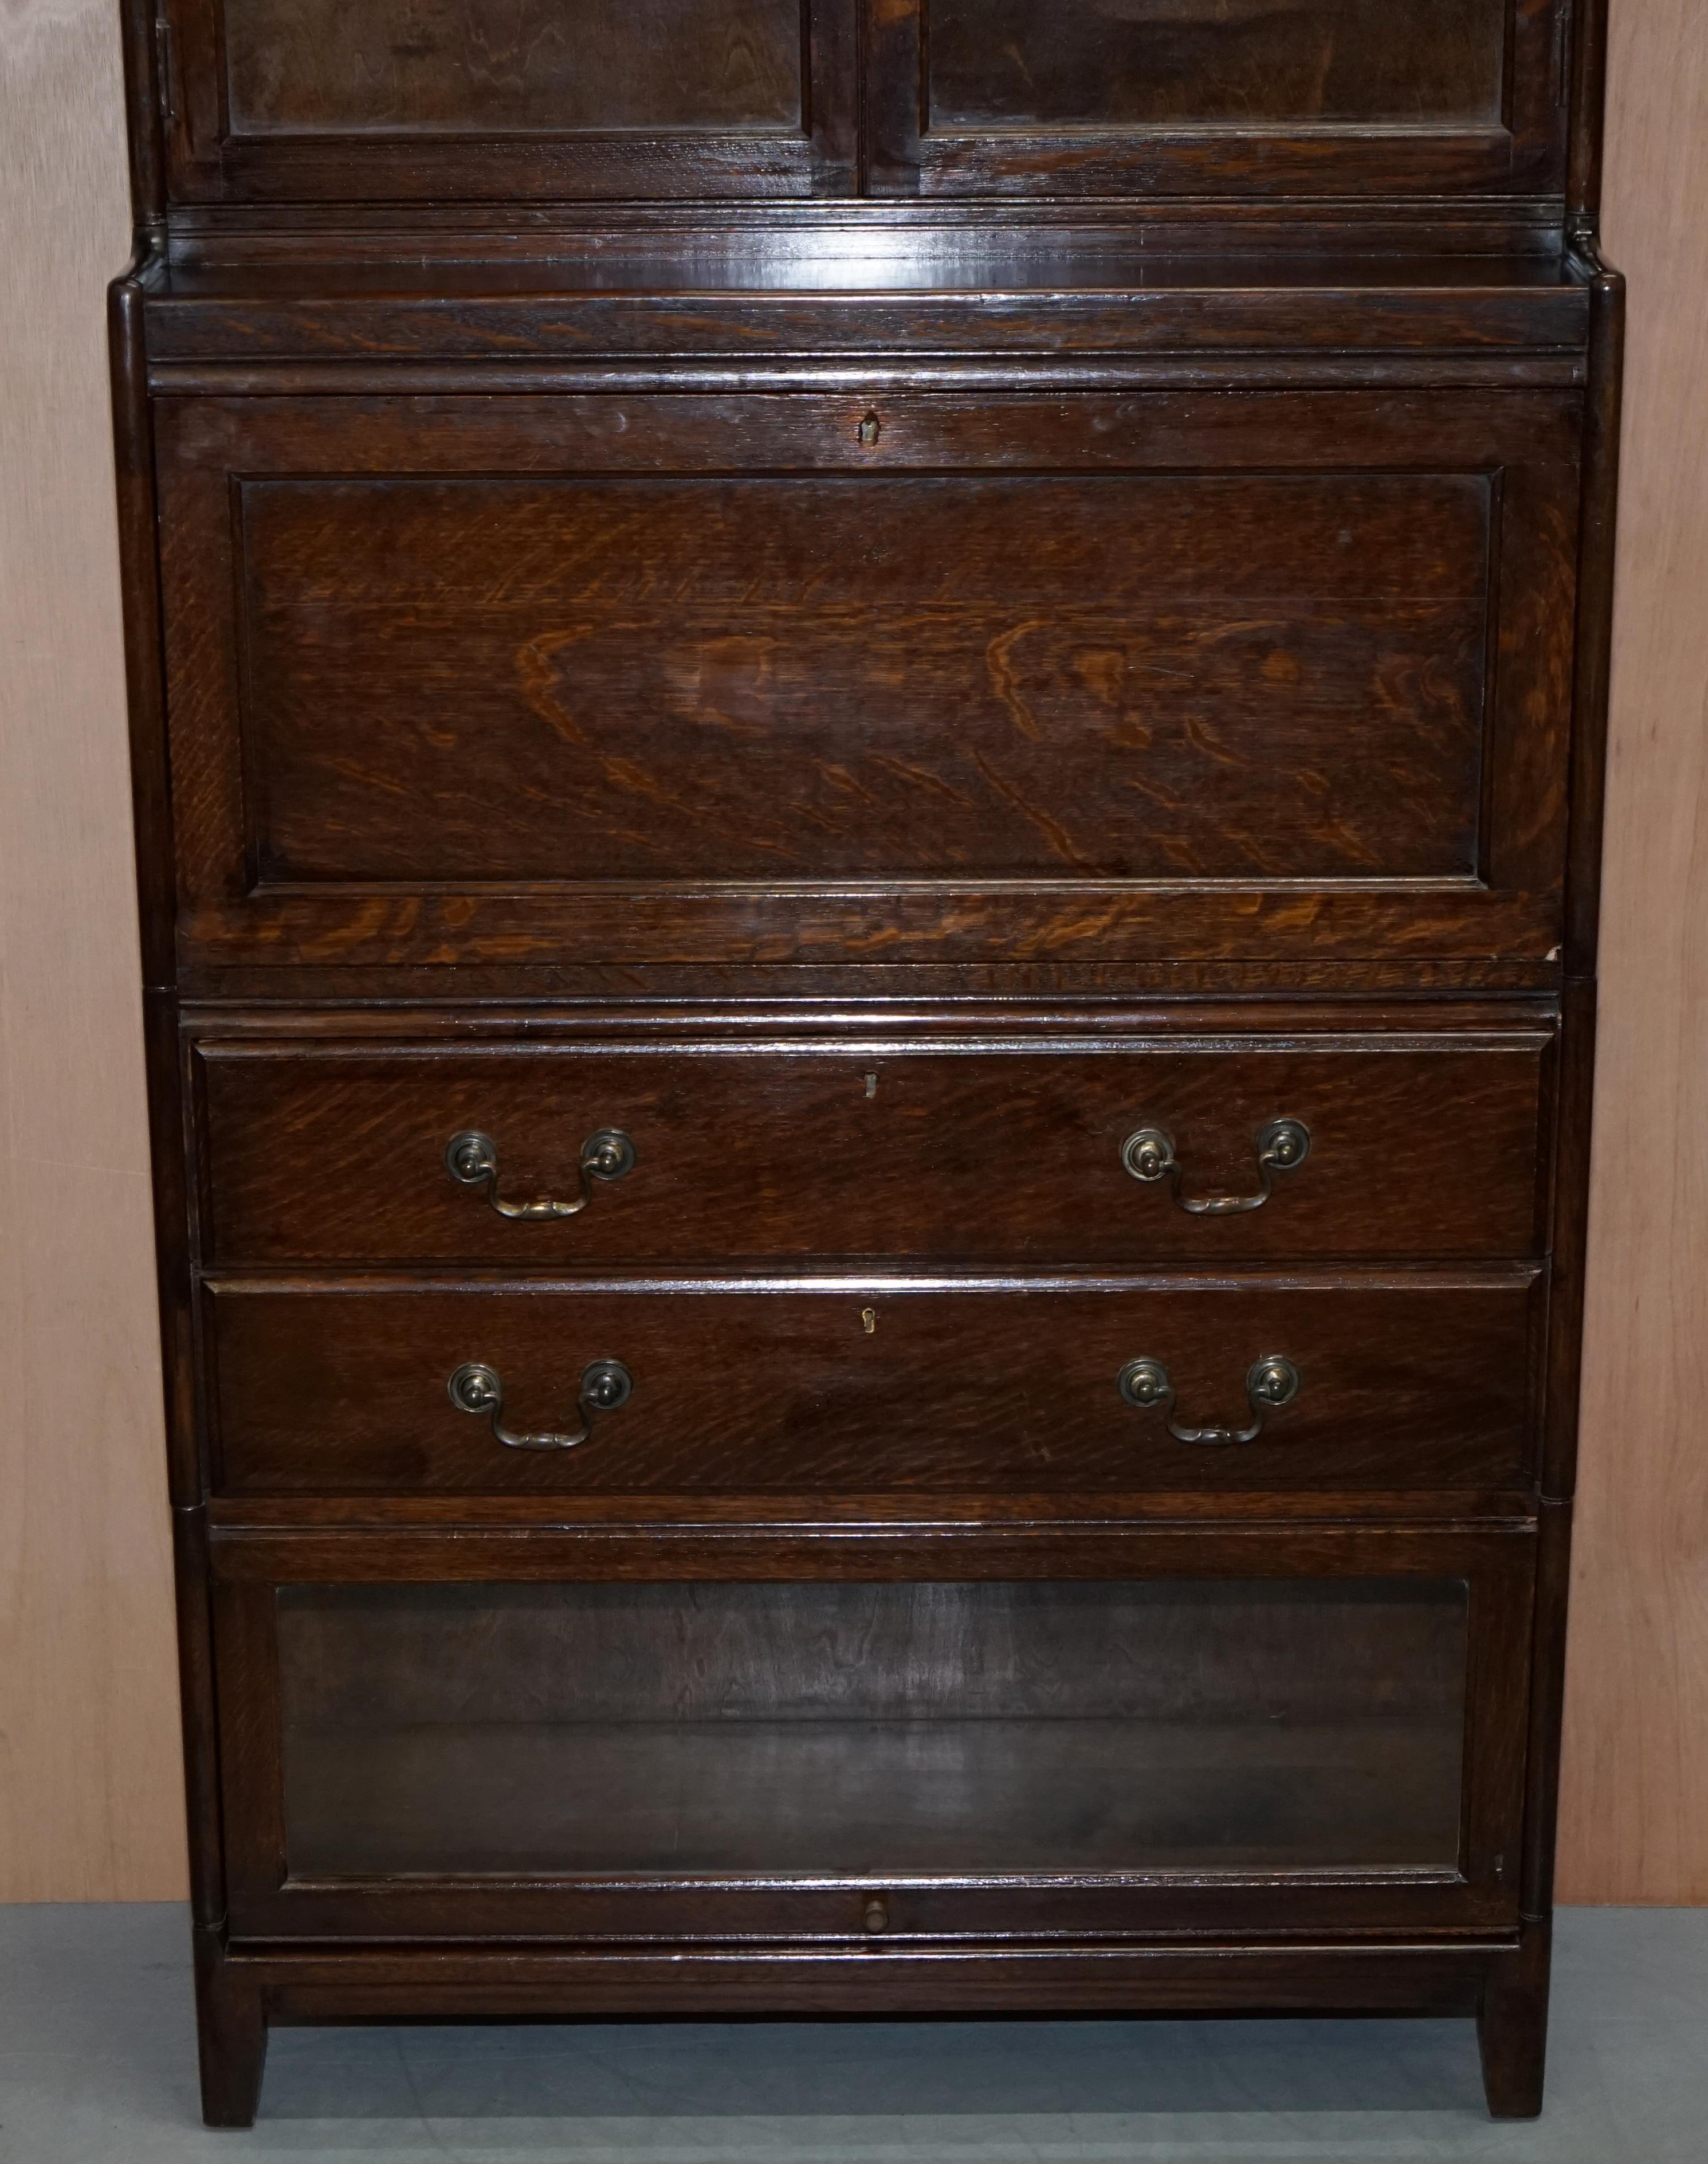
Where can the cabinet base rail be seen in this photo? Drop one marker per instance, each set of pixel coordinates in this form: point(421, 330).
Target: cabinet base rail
point(243, 1988)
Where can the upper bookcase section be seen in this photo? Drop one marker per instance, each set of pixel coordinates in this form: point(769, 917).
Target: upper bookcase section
point(637, 101)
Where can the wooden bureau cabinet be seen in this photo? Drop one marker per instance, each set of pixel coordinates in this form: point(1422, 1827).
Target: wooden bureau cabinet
point(868, 745)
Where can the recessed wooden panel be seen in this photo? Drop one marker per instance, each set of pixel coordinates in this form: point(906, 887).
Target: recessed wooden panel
point(1147, 677)
point(502, 101)
point(858, 1729)
point(1126, 63)
point(861, 1386)
point(681, 678)
point(690, 679)
point(477, 67)
point(320, 1155)
point(1215, 97)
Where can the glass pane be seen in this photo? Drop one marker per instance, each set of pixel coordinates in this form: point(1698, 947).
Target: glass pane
point(863, 1730)
point(555, 66)
point(1134, 63)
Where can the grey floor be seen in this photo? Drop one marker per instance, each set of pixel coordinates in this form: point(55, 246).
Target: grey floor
point(98, 2067)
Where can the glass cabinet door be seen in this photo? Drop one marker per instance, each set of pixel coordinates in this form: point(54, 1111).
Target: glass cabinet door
point(872, 1730)
point(1162, 63)
point(1239, 1730)
point(1297, 97)
point(312, 100)
point(295, 100)
point(512, 67)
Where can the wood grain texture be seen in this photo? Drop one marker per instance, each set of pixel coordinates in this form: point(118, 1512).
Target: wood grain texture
point(1218, 96)
point(1021, 63)
point(1051, 876)
point(336, 1154)
point(89, 1788)
point(868, 1384)
point(1137, 678)
point(483, 66)
point(1634, 1822)
point(294, 99)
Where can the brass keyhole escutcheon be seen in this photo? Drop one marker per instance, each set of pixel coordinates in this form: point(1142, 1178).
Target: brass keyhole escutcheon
point(868, 1320)
point(877, 1917)
point(870, 428)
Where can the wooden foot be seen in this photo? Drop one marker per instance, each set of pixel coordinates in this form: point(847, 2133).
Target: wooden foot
point(1512, 2027)
point(231, 2033)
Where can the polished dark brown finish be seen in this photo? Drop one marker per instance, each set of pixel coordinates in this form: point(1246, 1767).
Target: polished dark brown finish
point(1082, 309)
point(1078, 63)
point(304, 67)
point(289, 101)
point(676, 793)
point(294, 99)
point(1027, 96)
point(799, 673)
point(860, 1385)
point(882, 678)
point(1512, 2024)
point(334, 1154)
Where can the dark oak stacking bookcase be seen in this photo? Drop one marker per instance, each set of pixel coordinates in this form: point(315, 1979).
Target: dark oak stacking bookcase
point(868, 743)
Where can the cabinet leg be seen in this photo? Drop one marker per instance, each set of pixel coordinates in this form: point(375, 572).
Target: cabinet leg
point(231, 2036)
point(1512, 2027)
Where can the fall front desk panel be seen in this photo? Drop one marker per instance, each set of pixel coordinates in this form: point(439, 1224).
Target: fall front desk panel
point(677, 679)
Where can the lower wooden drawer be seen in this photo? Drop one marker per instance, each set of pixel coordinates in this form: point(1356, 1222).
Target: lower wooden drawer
point(1418, 1381)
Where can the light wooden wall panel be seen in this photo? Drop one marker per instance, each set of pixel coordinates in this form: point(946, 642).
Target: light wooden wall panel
point(89, 1786)
point(90, 1806)
point(1635, 1824)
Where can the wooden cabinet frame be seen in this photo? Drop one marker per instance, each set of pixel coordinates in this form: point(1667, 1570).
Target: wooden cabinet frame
point(1372, 301)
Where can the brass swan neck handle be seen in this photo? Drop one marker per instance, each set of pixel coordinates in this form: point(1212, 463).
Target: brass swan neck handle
point(477, 1388)
point(1271, 1383)
point(471, 1158)
point(1282, 1146)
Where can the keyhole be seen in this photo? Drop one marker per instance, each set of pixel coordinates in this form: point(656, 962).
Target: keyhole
point(870, 428)
point(872, 1085)
point(868, 1320)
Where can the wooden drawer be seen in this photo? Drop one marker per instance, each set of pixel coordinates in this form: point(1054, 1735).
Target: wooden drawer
point(686, 680)
point(863, 1384)
point(1423, 1145)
